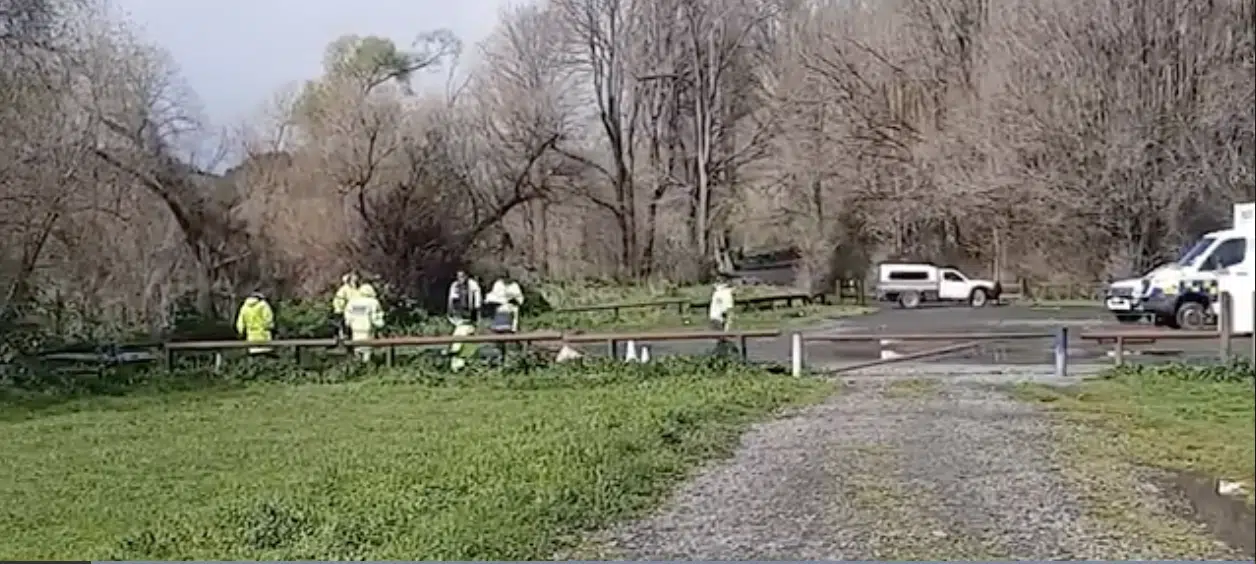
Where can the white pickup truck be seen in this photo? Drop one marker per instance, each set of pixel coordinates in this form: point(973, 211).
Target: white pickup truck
point(911, 284)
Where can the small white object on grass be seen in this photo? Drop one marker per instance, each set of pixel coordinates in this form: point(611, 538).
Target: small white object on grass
point(1226, 487)
point(631, 352)
point(887, 353)
point(567, 353)
point(645, 354)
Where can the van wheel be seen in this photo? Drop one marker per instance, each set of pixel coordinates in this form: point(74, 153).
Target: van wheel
point(1191, 316)
point(909, 300)
point(978, 298)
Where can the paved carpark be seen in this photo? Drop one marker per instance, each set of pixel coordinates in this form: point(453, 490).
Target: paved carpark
point(960, 320)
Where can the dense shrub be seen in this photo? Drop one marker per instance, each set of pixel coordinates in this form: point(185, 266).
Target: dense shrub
point(1236, 370)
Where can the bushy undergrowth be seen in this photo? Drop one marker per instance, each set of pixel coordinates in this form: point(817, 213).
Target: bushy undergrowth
point(506, 463)
point(40, 387)
point(311, 318)
point(1239, 369)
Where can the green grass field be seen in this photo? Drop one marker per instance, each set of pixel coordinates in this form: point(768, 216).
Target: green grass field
point(1200, 420)
point(1128, 435)
point(393, 466)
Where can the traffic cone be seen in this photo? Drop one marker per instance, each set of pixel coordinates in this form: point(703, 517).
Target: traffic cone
point(631, 355)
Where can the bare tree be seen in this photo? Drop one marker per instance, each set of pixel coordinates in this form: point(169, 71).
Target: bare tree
point(600, 35)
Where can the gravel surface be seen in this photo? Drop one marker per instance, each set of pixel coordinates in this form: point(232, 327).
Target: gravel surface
point(897, 469)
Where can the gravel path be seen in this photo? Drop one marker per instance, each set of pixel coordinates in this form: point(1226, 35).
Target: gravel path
point(894, 469)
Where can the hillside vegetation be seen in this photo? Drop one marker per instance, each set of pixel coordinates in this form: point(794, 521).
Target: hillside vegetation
point(621, 140)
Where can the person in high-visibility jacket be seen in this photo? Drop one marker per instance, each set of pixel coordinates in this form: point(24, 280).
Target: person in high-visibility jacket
point(255, 322)
point(459, 353)
point(347, 291)
point(363, 316)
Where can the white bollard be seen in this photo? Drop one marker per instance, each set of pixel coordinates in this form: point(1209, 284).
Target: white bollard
point(645, 354)
point(887, 353)
point(795, 354)
point(631, 352)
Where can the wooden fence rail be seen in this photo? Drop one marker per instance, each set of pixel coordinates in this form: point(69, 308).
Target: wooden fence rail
point(391, 344)
point(1119, 339)
point(955, 341)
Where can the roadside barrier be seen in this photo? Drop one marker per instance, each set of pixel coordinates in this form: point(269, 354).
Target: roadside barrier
point(635, 342)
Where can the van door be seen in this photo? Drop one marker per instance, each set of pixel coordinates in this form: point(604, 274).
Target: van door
point(1238, 280)
point(953, 286)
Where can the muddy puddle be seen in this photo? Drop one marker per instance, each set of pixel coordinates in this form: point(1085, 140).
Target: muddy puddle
point(1229, 518)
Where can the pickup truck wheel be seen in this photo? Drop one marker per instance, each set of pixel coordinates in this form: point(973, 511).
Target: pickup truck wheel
point(1191, 316)
point(978, 298)
point(909, 300)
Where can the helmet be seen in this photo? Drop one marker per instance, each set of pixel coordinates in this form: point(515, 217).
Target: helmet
point(367, 291)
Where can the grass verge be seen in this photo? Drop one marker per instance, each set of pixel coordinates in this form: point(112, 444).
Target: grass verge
point(1139, 421)
point(398, 465)
point(913, 388)
point(1201, 419)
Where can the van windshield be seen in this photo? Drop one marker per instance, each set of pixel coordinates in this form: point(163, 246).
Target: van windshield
point(1194, 251)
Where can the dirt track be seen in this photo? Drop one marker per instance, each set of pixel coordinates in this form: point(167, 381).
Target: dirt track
point(901, 470)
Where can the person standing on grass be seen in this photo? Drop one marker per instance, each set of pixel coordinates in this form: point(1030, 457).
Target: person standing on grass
point(505, 299)
point(720, 311)
point(348, 290)
point(460, 353)
point(364, 316)
point(465, 299)
point(255, 322)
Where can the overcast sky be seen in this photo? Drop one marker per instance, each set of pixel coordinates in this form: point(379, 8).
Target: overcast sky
point(236, 53)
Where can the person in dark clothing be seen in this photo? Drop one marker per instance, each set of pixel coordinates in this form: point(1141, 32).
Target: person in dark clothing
point(465, 298)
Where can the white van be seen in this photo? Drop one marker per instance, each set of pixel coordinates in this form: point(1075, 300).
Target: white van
point(1182, 294)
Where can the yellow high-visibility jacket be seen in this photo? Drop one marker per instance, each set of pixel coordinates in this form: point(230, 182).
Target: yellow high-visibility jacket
point(343, 295)
point(363, 314)
point(256, 320)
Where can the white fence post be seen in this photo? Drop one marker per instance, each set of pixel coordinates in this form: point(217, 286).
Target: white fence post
point(796, 354)
point(1061, 352)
